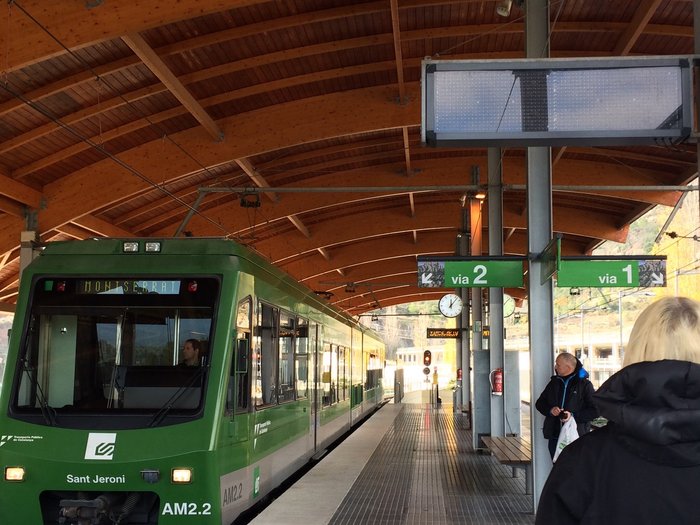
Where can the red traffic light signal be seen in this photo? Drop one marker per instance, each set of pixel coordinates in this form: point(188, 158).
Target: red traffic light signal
point(427, 358)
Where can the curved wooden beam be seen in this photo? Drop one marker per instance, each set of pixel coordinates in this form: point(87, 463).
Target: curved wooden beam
point(76, 25)
point(347, 113)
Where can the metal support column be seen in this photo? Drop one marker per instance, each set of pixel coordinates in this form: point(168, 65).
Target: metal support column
point(463, 324)
point(539, 227)
point(496, 346)
point(481, 411)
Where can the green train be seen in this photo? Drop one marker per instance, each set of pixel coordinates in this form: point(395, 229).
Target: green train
point(103, 422)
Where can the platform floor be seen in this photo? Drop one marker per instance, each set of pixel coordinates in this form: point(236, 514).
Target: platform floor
point(409, 464)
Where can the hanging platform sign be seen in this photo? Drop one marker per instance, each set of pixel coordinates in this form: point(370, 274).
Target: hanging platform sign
point(597, 272)
point(470, 272)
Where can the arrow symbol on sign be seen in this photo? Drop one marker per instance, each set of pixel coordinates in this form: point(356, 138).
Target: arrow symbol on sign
point(427, 278)
point(657, 279)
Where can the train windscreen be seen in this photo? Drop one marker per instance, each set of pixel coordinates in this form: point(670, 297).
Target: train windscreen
point(115, 345)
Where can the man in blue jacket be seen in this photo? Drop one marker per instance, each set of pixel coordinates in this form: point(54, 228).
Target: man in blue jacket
point(568, 393)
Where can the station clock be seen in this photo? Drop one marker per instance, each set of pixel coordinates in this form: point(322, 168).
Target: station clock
point(450, 305)
point(508, 305)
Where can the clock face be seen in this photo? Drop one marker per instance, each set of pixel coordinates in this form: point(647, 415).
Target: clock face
point(508, 306)
point(450, 305)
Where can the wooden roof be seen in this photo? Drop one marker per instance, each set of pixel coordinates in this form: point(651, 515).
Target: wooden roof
point(121, 117)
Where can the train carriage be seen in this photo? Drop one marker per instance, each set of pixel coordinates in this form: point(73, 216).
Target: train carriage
point(102, 422)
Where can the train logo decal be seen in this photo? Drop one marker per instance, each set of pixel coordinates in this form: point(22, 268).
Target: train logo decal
point(262, 428)
point(100, 446)
point(7, 438)
point(256, 482)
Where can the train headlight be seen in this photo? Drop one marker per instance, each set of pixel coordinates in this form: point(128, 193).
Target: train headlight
point(14, 473)
point(181, 475)
point(152, 246)
point(130, 247)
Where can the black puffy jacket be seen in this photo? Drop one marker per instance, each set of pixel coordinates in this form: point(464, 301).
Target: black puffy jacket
point(573, 393)
point(644, 466)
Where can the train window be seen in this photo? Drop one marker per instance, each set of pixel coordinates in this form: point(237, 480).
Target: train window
point(346, 378)
point(74, 357)
point(334, 374)
point(356, 363)
point(603, 353)
point(238, 393)
point(329, 375)
point(286, 357)
point(341, 373)
point(265, 364)
point(301, 362)
point(82, 332)
point(326, 383)
point(374, 372)
point(243, 315)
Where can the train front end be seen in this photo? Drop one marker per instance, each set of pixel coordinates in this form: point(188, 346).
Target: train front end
point(100, 478)
point(101, 421)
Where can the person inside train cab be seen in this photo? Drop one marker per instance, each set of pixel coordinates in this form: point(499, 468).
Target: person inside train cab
point(191, 352)
point(643, 467)
point(568, 393)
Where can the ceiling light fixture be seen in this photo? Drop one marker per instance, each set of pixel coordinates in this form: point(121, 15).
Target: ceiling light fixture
point(503, 7)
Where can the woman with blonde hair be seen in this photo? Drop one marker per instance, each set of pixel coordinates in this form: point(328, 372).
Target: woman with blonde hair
point(643, 467)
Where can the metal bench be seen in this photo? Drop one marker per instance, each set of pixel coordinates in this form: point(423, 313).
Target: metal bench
point(513, 451)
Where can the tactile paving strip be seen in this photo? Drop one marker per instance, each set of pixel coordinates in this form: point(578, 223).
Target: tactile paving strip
point(426, 472)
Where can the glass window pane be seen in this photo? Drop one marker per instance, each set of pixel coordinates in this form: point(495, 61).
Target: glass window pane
point(326, 380)
point(301, 367)
point(265, 341)
point(286, 356)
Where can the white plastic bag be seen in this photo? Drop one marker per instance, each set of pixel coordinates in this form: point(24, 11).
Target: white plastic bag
point(567, 435)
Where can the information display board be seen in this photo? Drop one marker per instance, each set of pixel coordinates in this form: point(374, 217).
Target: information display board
point(556, 102)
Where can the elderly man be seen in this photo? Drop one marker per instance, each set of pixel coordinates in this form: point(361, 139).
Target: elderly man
point(568, 393)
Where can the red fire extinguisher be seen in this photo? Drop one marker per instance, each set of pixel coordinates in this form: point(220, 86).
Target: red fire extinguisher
point(496, 380)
